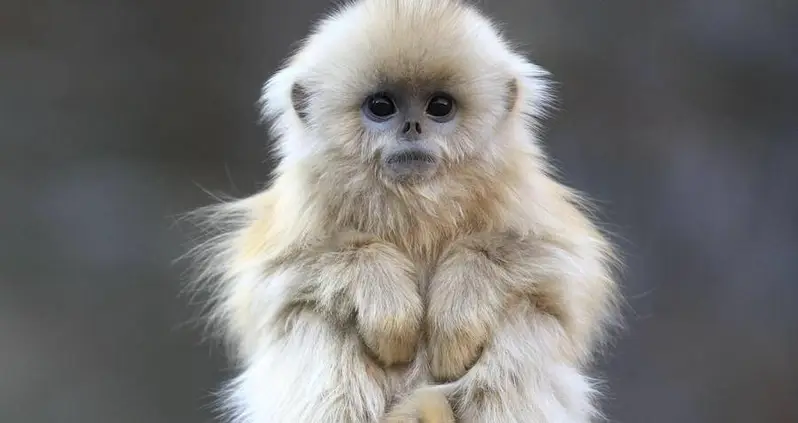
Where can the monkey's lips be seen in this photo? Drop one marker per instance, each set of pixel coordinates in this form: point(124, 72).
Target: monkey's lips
point(410, 163)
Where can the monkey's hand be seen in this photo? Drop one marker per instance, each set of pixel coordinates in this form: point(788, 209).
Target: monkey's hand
point(425, 405)
point(467, 296)
point(388, 305)
point(380, 284)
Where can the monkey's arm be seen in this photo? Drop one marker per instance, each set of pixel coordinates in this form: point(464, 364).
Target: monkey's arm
point(512, 319)
point(357, 278)
point(307, 323)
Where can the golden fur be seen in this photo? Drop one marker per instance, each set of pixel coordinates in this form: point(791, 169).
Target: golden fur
point(348, 297)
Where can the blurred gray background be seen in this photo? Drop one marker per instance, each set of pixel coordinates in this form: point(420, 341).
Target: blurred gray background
point(679, 116)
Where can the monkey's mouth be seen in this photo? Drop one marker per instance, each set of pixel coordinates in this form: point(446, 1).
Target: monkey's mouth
point(407, 157)
point(410, 164)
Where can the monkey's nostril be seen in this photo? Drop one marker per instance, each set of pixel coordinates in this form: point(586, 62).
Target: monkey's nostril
point(418, 127)
point(406, 127)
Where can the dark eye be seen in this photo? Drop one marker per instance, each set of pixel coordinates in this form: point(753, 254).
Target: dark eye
point(380, 106)
point(440, 106)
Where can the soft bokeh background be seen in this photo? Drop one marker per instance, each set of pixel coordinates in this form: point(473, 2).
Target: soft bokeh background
point(679, 116)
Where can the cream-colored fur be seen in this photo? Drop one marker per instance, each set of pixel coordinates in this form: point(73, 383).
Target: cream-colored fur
point(480, 293)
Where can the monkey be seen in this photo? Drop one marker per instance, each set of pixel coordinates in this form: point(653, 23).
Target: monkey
point(414, 256)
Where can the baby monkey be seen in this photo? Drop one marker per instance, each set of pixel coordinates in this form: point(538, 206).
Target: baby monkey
point(412, 259)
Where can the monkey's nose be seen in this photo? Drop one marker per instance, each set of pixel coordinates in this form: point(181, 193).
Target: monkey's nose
point(411, 127)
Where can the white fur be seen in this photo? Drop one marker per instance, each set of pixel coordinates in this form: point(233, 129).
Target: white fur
point(540, 316)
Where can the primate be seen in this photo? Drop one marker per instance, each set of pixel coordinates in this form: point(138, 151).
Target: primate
point(413, 257)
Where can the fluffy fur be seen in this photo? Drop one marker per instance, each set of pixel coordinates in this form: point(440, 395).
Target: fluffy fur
point(481, 293)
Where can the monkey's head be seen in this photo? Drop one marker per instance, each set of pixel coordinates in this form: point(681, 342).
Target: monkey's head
point(407, 91)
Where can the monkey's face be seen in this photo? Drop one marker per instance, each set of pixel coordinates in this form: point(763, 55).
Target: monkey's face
point(407, 130)
point(409, 124)
point(413, 126)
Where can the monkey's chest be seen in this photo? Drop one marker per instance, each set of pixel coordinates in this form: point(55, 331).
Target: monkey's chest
point(425, 258)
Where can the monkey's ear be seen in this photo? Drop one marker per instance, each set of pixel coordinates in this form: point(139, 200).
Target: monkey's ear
point(299, 100)
point(511, 95)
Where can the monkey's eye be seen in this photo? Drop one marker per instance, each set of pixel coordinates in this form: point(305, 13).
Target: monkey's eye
point(440, 106)
point(380, 107)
